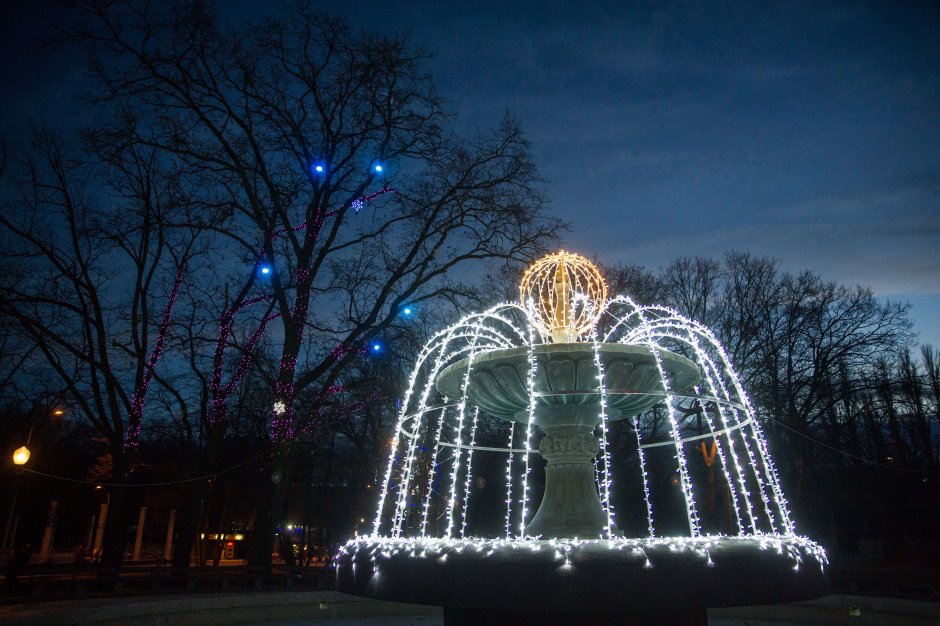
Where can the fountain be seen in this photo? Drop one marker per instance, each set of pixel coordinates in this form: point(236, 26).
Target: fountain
point(568, 363)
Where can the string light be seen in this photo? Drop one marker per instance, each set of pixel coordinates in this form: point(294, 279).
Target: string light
point(458, 429)
point(793, 548)
point(718, 396)
point(550, 283)
point(357, 204)
point(404, 489)
point(218, 411)
point(469, 473)
point(436, 347)
point(605, 478)
point(530, 385)
point(508, 519)
point(135, 420)
point(430, 489)
point(646, 479)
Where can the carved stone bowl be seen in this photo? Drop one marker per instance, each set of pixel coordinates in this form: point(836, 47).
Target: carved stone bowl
point(499, 381)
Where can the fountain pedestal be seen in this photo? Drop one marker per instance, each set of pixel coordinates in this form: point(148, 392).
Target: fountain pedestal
point(568, 410)
point(570, 506)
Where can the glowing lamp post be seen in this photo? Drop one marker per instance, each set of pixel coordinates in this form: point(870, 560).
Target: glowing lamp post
point(20, 457)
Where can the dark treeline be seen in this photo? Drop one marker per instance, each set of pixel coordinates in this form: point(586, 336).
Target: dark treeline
point(847, 400)
point(222, 278)
point(208, 271)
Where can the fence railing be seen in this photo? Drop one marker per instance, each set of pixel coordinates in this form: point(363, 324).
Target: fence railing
point(61, 581)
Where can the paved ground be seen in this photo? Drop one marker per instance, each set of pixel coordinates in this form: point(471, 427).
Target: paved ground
point(383, 620)
point(318, 608)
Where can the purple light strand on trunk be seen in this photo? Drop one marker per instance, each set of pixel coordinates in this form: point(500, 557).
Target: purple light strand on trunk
point(282, 420)
point(135, 421)
point(282, 412)
point(218, 408)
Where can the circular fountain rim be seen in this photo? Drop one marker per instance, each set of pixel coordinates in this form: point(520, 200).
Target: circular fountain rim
point(562, 574)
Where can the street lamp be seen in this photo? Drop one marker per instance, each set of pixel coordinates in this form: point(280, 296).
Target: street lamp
point(21, 455)
point(20, 458)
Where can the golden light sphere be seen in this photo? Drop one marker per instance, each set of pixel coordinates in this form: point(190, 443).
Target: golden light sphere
point(21, 455)
point(556, 284)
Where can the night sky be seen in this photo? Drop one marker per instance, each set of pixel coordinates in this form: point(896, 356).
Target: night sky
point(809, 132)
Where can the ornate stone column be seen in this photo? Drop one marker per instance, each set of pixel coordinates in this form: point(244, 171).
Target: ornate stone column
point(570, 506)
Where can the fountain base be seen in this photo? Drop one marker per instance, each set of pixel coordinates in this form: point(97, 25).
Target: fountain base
point(665, 579)
point(479, 617)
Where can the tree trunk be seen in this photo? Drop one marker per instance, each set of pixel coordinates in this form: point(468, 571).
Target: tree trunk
point(267, 521)
point(115, 531)
point(188, 526)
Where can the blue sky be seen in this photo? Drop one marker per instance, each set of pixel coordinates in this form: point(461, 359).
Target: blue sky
point(806, 131)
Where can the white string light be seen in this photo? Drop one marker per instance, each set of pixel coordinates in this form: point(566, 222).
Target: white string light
point(458, 434)
point(605, 477)
point(725, 409)
point(437, 344)
point(646, 479)
point(530, 382)
point(684, 479)
point(426, 509)
point(508, 523)
point(469, 478)
point(794, 548)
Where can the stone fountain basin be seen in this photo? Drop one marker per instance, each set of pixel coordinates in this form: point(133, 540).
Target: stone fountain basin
point(499, 381)
point(573, 579)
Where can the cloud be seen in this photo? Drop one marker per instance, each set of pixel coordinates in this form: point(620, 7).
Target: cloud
point(893, 257)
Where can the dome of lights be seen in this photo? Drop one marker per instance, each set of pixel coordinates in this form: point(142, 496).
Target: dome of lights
point(567, 293)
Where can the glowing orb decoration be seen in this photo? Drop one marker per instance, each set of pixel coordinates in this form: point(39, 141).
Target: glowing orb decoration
point(568, 292)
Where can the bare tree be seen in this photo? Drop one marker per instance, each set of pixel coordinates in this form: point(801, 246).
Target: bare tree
point(635, 281)
point(693, 286)
point(95, 274)
point(326, 151)
point(799, 342)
